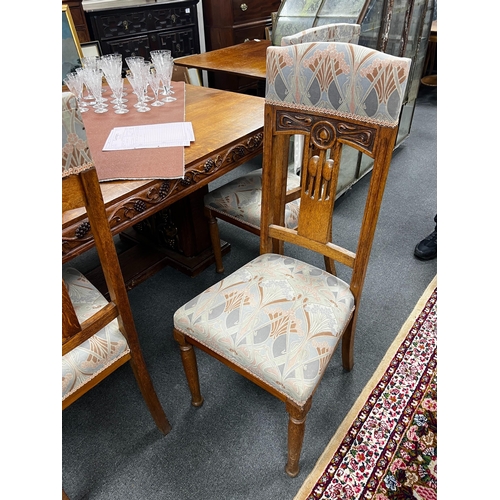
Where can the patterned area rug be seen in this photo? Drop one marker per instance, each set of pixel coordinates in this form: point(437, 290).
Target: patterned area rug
point(386, 448)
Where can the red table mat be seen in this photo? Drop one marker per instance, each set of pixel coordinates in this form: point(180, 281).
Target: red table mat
point(155, 163)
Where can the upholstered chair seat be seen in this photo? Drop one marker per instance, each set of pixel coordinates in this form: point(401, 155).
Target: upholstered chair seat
point(240, 199)
point(94, 355)
point(277, 318)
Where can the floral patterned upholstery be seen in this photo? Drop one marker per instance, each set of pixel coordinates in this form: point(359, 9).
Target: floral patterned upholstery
point(276, 317)
point(352, 81)
point(338, 32)
point(94, 355)
point(241, 199)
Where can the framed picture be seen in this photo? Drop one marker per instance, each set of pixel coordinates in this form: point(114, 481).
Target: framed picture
point(90, 49)
point(71, 50)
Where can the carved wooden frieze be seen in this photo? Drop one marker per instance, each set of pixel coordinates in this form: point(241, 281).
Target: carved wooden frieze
point(156, 195)
point(326, 129)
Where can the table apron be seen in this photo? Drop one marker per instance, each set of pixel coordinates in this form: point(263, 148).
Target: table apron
point(159, 194)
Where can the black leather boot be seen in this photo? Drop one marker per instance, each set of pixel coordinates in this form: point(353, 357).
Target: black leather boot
point(427, 248)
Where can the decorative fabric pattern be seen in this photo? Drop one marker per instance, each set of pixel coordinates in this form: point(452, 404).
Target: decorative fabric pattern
point(75, 150)
point(276, 317)
point(337, 32)
point(95, 354)
point(241, 199)
point(390, 450)
point(345, 79)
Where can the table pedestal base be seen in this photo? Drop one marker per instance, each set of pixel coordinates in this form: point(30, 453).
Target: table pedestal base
point(176, 237)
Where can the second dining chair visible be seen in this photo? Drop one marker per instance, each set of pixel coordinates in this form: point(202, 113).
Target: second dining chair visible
point(278, 320)
point(98, 336)
point(239, 201)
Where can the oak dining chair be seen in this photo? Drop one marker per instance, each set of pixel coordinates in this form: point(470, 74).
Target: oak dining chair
point(98, 336)
point(238, 202)
point(278, 320)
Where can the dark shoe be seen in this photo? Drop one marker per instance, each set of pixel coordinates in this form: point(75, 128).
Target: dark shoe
point(427, 248)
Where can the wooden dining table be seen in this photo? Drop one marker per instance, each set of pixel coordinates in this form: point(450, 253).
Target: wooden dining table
point(163, 219)
point(243, 62)
point(244, 59)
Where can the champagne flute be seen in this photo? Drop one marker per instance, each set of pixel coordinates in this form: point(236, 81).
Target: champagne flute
point(89, 62)
point(94, 81)
point(138, 82)
point(74, 81)
point(166, 76)
point(115, 82)
point(154, 80)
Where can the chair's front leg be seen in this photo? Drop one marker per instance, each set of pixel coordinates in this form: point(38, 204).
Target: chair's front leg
point(296, 429)
point(188, 357)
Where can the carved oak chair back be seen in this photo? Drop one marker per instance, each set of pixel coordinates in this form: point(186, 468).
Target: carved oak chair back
point(278, 320)
point(98, 336)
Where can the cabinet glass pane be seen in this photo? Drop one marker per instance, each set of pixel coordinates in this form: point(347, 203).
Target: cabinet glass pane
point(371, 24)
point(300, 8)
point(290, 26)
point(347, 8)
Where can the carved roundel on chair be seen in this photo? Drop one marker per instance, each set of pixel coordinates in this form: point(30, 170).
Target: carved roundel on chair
point(323, 135)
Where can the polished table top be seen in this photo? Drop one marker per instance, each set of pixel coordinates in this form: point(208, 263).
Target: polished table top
point(228, 131)
point(245, 59)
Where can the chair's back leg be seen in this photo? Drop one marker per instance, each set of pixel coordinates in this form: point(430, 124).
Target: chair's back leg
point(188, 357)
point(348, 343)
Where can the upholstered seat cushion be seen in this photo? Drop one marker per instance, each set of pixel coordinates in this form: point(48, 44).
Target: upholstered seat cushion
point(276, 317)
point(97, 353)
point(241, 199)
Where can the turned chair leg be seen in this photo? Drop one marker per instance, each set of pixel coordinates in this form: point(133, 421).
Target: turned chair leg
point(296, 429)
point(188, 357)
point(215, 239)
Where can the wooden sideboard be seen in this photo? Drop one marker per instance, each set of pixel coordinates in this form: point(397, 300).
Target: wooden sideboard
point(230, 22)
point(140, 29)
point(78, 16)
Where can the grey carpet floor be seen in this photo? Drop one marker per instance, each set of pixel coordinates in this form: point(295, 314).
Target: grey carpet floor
point(234, 446)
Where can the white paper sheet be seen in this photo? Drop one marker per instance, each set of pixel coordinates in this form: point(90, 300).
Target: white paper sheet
point(158, 135)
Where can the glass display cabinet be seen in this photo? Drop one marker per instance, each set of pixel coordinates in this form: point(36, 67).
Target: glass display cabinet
point(397, 27)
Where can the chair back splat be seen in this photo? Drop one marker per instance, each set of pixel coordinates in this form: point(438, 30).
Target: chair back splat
point(97, 336)
point(278, 320)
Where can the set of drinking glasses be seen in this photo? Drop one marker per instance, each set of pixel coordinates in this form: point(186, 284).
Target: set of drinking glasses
point(157, 74)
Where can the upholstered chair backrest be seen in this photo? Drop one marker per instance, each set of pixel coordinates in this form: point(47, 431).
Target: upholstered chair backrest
point(339, 78)
point(336, 32)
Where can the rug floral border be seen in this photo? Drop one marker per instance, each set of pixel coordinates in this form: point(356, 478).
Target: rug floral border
point(390, 450)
